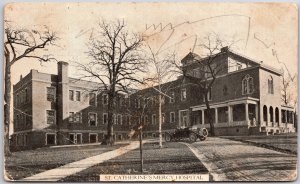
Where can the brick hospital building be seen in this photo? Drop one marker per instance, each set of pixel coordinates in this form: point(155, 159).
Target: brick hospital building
point(57, 109)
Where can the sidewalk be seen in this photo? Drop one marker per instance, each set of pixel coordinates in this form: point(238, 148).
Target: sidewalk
point(173, 158)
point(229, 160)
point(75, 167)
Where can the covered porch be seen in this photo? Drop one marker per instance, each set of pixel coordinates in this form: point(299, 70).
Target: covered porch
point(243, 112)
point(277, 119)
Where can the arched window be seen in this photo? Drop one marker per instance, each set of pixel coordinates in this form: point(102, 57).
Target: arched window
point(265, 109)
point(271, 114)
point(270, 85)
point(276, 115)
point(247, 85)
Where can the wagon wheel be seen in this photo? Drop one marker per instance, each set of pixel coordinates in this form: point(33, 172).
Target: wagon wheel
point(168, 137)
point(193, 137)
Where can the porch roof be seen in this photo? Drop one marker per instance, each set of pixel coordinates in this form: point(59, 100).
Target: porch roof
point(244, 100)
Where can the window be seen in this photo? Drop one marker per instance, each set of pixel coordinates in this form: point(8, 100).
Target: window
point(17, 101)
point(270, 85)
point(183, 94)
point(196, 73)
point(71, 95)
point(50, 139)
point(21, 97)
point(77, 117)
point(183, 118)
point(92, 119)
point(17, 121)
point(154, 119)
point(77, 95)
point(163, 100)
point(172, 99)
point(50, 116)
point(225, 90)
point(25, 139)
point(209, 98)
point(163, 118)
point(105, 118)
point(146, 102)
point(137, 103)
point(92, 97)
point(119, 119)
point(71, 117)
point(26, 95)
point(128, 120)
point(247, 85)
point(172, 117)
point(122, 101)
point(238, 66)
point(105, 99)
point(114, 119)
point(51, 93)
point(75, 138)
point(146, 119)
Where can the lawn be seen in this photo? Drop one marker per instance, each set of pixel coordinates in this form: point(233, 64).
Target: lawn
point(174, 158)
point(283, 142)
point(26, 163)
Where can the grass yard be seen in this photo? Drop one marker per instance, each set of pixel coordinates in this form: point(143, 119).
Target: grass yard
point(174, 158)
point(283, 142)
point(27, 163)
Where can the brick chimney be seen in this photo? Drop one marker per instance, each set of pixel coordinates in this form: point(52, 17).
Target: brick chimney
point(62, 98)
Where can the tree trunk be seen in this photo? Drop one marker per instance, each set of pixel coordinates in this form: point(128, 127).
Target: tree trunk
point(159, 121)
point(110, 130)
point(7, 97)
point(209, 114)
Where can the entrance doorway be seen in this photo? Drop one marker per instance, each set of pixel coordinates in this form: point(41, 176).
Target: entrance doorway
point(93, 138)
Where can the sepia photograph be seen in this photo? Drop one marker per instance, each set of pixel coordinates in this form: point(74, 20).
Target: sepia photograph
point(150, 92)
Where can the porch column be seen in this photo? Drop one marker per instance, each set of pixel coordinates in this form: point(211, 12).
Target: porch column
point(286, 114)
point(229, 114)
point(216, 115)
point(202, 116)
point(268, 116)
point(279, 116)
point(246, 113)
point(256, 113)
point(274, 117)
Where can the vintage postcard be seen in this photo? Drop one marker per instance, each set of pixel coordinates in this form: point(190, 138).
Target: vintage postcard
point(156, 92)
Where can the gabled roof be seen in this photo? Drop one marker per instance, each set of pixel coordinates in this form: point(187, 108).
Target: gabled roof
point(193, 56)
point(256, 62)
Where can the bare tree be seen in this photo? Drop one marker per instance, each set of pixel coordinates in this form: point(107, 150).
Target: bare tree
point(161, 65)
point(287, 83)
point(207, 71)
point(20, 44)
point(115, 62)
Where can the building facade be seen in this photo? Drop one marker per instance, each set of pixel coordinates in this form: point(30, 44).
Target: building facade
point(56, 109)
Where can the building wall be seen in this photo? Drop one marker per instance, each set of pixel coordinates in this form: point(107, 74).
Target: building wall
point(227, 87)
point(267, 99)
point(40, 104)
point(22, 119)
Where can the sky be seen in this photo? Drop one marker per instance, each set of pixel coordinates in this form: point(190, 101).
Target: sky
point(266, 32)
